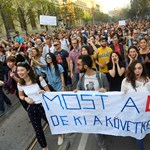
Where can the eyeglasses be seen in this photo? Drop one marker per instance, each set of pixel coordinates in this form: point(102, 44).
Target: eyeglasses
point(56, 44)
point(48, 57)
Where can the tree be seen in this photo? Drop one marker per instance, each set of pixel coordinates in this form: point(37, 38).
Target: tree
point(5, 11)
point(139, 8)
point(45, 7)
point(87, 17)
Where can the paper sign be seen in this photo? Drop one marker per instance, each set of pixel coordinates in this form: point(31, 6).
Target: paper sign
point(48, 20)
point(122, 22)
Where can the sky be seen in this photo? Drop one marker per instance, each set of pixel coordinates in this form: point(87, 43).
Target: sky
point(108, 5)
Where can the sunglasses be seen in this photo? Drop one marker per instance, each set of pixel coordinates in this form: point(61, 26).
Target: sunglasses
point(48, 57)
point(56, 44)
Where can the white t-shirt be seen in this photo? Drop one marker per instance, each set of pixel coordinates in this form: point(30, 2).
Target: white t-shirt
point(91, 83)
point(32, 91)
point(46, 50)
point(65, 44)
point(140, 86)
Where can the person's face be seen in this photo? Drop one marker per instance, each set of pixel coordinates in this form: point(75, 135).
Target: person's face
point(13, 52)
point(48, 59)
point(22, 72)
point(48, 42)
point(56, 45)
point(11, 64)
point(114, 57)
point(138, 70)
point(132, 53)
point(80, 66)
point(103, 43)
point(143, 44)
point(61, 36)
point(74, 44)
point(135, 33)
point(16, 44)
point(34, 52)
point(38, 42)
point(84, 51)
point(92, 39)
point(115, 40)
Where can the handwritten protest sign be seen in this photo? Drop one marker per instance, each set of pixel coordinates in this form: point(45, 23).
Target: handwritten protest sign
point(48, 20)
point(122, 22)
point(113, 113)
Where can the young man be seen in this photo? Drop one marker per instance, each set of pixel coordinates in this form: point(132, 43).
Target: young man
point(103, 56)
point(62, 57)
point(93, 81)
point(48, 47)
point(73, 56)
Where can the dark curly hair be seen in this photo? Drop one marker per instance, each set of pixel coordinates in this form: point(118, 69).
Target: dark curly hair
point(130, 75)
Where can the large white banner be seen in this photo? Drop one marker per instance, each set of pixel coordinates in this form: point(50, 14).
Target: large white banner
point(48, 20)
point(112, 113)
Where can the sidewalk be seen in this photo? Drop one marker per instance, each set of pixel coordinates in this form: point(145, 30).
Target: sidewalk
point(16, 133)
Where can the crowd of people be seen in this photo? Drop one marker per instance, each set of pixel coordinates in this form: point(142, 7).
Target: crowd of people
point(102, 58)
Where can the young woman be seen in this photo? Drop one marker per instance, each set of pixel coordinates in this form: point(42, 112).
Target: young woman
point(85, 50)
point(145, 53)
point(55, 77)
point(13, 79)
point(132, 55)
point(29, 91)
point(37, 61)
point(136, 81)
point(54, 72)
point(116, 69)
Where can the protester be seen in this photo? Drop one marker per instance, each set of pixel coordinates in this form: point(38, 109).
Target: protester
point(92, 80)
point(48, 47)
point(132, 55)
point(116, 46)
point(11, 82)
point(54, 72)
point(116, 68)
point(3, 97)
point(103, 55)
point(28, 81)
point(37, 61)
point(73, 57)
point(145, 53)
point(136, 81)
point(62, 57)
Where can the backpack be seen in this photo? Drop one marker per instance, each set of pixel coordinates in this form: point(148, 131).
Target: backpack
point(39, 83)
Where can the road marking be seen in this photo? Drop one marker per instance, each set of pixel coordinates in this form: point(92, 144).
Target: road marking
point(83, 141)
point(35, 140)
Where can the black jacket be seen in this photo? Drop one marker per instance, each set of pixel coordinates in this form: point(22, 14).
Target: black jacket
point(1, 71)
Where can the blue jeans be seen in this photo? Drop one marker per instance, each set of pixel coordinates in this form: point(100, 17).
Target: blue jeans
point(140, 144)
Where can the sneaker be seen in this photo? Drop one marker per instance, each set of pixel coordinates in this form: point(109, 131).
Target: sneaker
point(60, 140)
